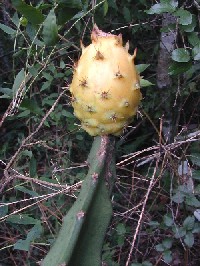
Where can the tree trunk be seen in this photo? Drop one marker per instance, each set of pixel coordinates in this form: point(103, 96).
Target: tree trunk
point(164, 82)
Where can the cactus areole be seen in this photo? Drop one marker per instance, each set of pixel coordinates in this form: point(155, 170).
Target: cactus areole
point(105, 87)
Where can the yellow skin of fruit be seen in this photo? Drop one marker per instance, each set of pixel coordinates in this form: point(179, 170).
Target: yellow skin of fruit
point(105, 87)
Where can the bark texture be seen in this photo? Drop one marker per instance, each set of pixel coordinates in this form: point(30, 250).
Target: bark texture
point(164, 82)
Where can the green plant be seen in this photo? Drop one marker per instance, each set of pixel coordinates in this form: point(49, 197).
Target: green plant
point(43, 147)
point(81, 237)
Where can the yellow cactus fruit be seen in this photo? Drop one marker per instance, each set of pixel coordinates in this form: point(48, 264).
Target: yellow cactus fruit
point(105, 87)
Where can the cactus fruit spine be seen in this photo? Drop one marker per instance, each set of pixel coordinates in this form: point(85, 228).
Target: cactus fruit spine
point(105, 87)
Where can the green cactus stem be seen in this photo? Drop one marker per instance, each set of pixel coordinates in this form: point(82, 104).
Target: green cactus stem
point(80, 240)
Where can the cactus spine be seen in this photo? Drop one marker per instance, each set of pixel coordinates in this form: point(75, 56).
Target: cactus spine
point(80, 239)
point(105, 86)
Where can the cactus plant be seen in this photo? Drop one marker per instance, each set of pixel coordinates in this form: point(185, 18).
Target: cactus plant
point(105, 86)
point(80, 239)
point(105, 95)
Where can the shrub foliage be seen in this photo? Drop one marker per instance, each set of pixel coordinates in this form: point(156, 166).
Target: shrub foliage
point(43, 148)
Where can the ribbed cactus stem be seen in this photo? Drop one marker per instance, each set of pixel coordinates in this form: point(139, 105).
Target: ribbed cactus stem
point(80, 239)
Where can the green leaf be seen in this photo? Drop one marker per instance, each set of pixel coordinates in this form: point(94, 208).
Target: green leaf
point(189, 239)
point(179, 68)
point(48, 101)
point(32, 34)
point(15, 19)
point(192, 201)
point(50, 29)
point(27, 191)
point(196, 174)
point(163, 7)
point(45, 85)
point(62, 64)
point(5, 96)
point(196, 228)
point(21, 219)
point(33, 167)
point(33, 70)
point(77, 16)
point(188, 223)
point(64, 14)
point(145, 83)
point(19, 81)
point(160, 248)
point(185, 17)
point(180, 55)
point(47, 76)
point(43, 6)
point(195, 158)
point(22, 244)
point(167, 243)
point(142, 67)
point(71, 3)
point(167, 256)
point(126, 14)
point(190, 27)
point(120, 240)
point(105, 7)
point(32, 106)
point(46, 123)
point(32, 14)
point(197, 189)
point(24, 114)
point(26, 153)
point(147, 263)
point(79, 137)
point(154, 223)
point(185, 189)
point(144, 263)
point(121, 229)
point(193, 38)
point(179, 232)
point(170, 27)
point(178, 197)
point(7, 29)
point(196, 52)
point(6, 91)
point(67, 114)
point(34, 233)
point(3, 210)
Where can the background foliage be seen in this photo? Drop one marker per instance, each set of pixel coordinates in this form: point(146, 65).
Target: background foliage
point(43, 149)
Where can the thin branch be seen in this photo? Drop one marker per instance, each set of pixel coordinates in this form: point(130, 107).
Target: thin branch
point(44, 197)
point(23, 144)
point(141, 216)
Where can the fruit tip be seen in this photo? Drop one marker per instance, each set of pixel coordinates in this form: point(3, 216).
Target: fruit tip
point(127, 46)
point(95, 27)
point(82, 46)
point(119, 39)
point(135, 53)
point(96, 32)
